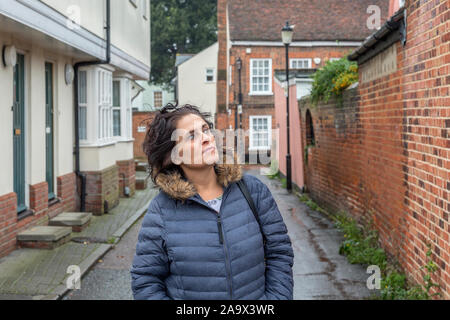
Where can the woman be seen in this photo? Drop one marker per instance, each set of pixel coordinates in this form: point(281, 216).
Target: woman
point(199, 238)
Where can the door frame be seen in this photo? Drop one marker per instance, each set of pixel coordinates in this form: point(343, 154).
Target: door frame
point(23, 211)
point(51, 195)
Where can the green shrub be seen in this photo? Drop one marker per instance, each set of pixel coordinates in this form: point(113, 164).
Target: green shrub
point(332, 79)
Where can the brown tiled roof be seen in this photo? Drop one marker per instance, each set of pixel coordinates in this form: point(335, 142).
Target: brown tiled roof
point(320, 20)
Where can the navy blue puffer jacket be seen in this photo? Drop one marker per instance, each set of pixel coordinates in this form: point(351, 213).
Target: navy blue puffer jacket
point(179, 254)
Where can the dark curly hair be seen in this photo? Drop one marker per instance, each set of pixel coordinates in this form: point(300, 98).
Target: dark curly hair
point(158, 144)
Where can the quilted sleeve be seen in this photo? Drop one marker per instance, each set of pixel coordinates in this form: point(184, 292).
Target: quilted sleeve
point(150, 264)
point(278, 249)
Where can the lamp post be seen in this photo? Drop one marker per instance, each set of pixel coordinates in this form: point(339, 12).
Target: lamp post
point(286, 36)
point(239, 106)
point(239, 67)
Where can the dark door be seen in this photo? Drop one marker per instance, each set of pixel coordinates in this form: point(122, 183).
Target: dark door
point(49, 129)
point(19, 132)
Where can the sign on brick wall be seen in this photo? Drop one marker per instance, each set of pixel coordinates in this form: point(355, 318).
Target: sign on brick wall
point(379, 66)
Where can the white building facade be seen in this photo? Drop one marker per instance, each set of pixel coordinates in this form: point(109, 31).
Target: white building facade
point(42, 42)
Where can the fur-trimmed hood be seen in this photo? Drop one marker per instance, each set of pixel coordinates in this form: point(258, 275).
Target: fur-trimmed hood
point(178, 187)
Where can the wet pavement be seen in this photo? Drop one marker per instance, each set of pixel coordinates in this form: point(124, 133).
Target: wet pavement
point(110, 278)
point(320, 272)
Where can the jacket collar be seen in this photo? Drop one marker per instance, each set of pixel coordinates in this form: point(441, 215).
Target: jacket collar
point(179, 188)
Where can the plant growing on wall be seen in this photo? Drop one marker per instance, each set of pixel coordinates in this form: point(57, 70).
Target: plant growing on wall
point(331, 80)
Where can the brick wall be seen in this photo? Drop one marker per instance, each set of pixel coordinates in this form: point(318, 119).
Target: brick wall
point(102, 186)
point(8, 218)
point(67, 192)
point(426, 85)
point(384, 157)
point(140, 119)
point(127, 176)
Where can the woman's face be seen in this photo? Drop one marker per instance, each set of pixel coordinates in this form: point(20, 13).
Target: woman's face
point(196, 146)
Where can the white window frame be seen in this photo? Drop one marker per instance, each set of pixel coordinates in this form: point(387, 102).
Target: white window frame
point(261, 93)
point(162, 99)
point(303, 60)
point(213, 75)
point(252, 147)
point(82, 105)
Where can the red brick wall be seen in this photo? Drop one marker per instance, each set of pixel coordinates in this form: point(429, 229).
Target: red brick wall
point(39, 197)
point(42, 212)
point(426, 85)
point(127, 176)
point(8, 218)
point(102, 186)
point(140, 119)
point(67, 191)
point(384, 157)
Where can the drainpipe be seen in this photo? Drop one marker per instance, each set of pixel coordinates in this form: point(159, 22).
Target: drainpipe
point(77, 65)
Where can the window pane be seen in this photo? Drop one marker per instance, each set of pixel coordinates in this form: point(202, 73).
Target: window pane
point(116, 93)
point(266, 63)
point(157, 99)
point(82, 85)
point(82, 127)
point(116, 122)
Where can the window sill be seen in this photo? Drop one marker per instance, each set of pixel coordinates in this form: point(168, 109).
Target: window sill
point(260, 93)
point(97, 144)
point(25, 214)
point(259, 149)
point(53, 201)
point(125, 140)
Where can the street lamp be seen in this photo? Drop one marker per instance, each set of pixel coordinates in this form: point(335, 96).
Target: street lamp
point(239, 106)
point(286, 36)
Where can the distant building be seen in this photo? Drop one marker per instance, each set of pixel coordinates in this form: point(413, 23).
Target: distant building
point(251, 30)
point(197, 78)
point(153, 97)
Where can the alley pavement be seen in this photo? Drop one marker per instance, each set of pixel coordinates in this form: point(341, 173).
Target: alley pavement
point(320, 272)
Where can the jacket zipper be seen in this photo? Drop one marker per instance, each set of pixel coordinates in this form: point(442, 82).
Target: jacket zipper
point(222, 242)
point(227, 259)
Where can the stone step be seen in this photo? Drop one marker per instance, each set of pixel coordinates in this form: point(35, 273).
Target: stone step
point(77, 220)
point(44, 237)
point(141, 182)
point(141, 166)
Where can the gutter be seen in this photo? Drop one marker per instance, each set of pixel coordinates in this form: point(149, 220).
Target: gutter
point(391, 31)
point(77, 65)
